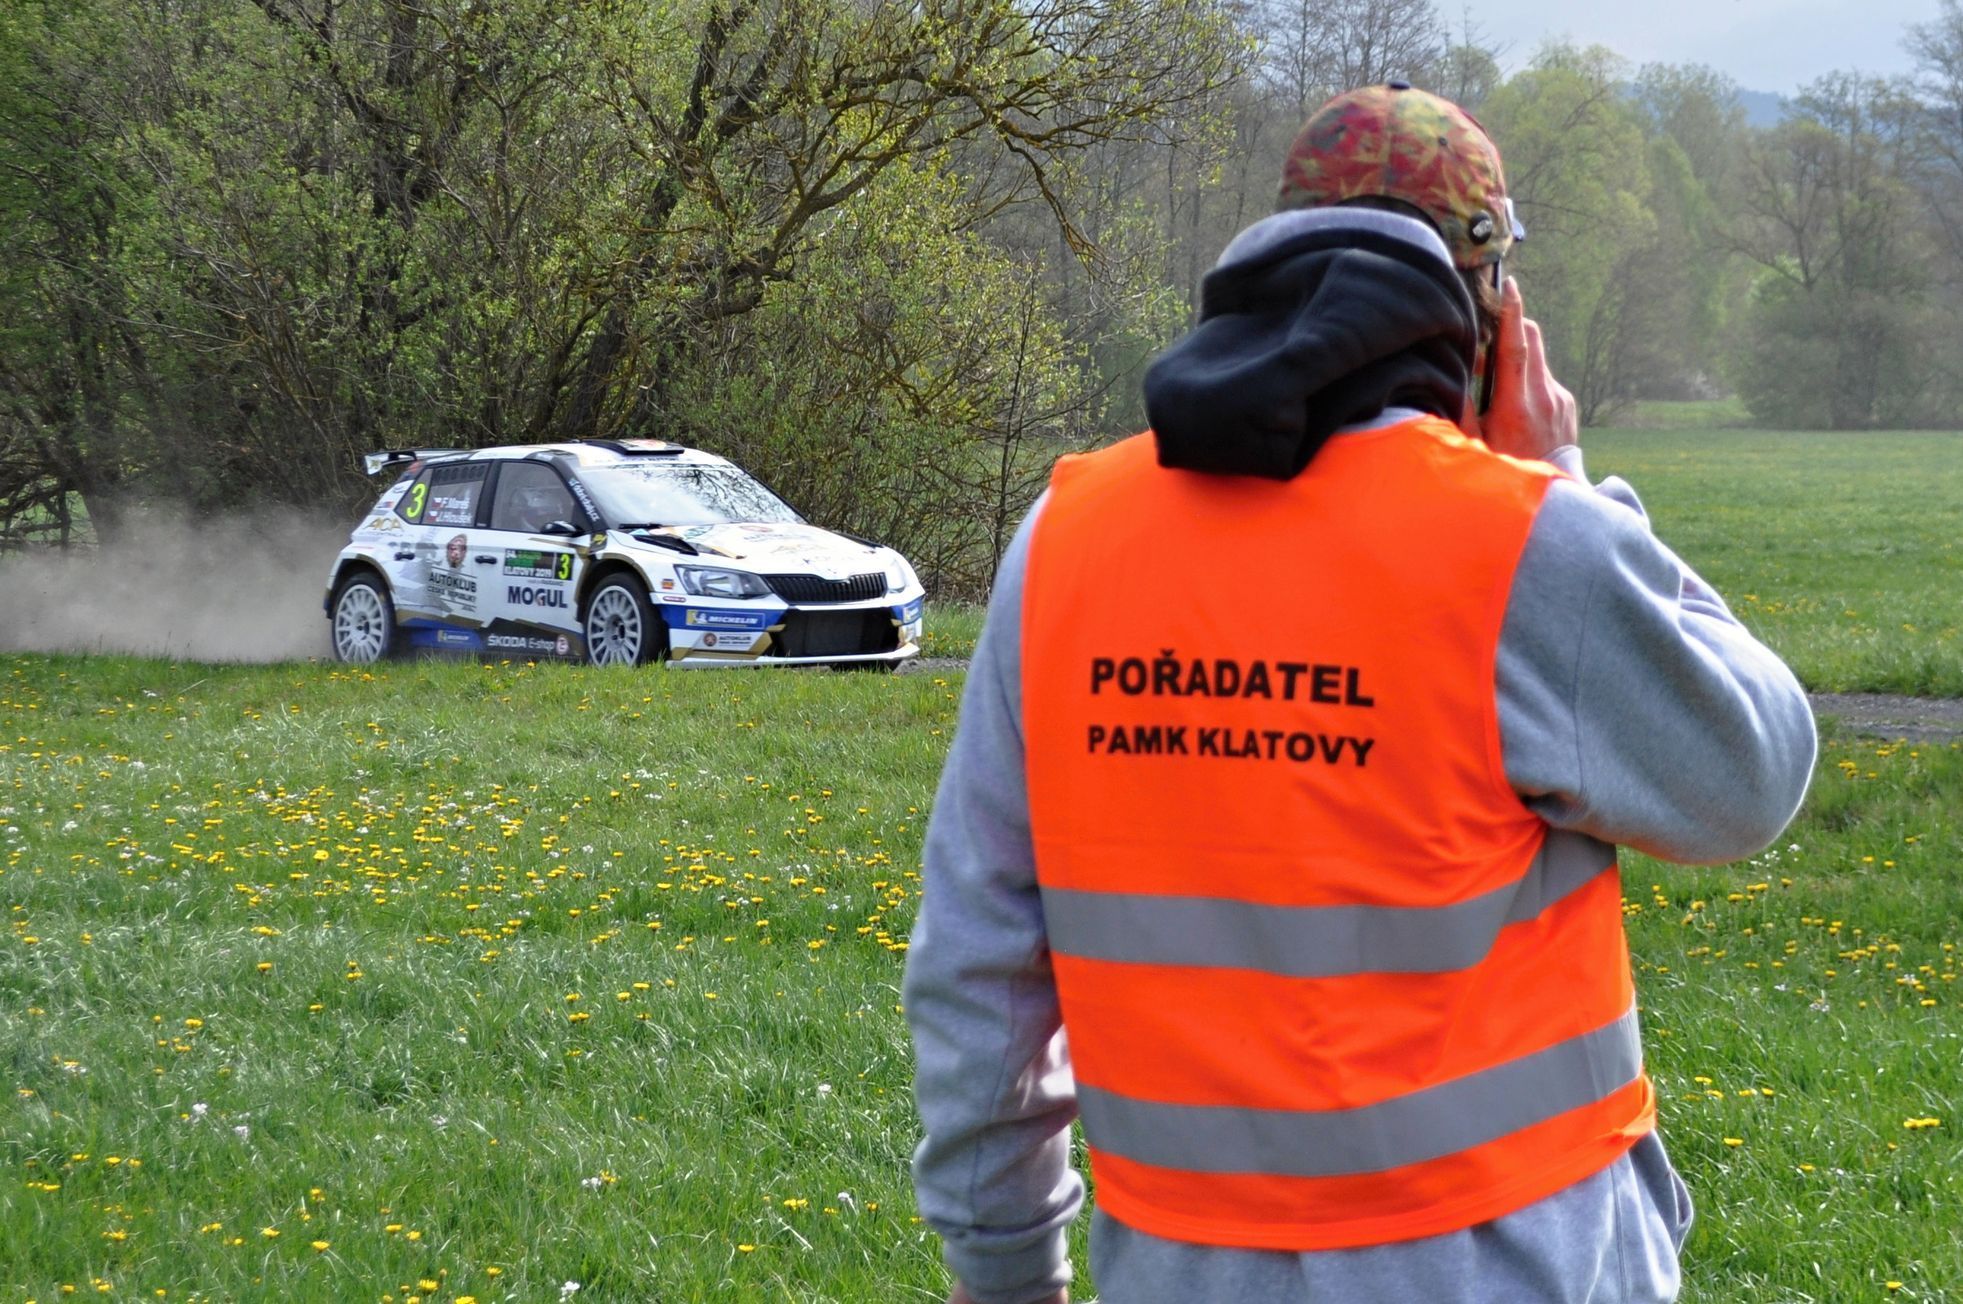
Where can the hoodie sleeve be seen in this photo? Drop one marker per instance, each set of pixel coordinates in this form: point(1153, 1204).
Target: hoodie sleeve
point(1633, 705)
point(991, 1078)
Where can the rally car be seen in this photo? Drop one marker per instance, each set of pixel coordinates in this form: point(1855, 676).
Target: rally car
point(617, 552)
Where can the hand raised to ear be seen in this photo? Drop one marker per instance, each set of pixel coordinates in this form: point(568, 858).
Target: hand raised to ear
point(1531, 414)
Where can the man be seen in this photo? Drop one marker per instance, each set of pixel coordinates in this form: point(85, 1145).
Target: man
point(1287, 774)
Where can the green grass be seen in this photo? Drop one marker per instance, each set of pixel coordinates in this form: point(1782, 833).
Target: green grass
point(409, 1064)
point(430, 862)
point(296, 948)
point(952, 629)
point(1841, 551)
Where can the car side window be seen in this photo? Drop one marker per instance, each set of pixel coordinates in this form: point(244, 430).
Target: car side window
point(453, 493)
point(410, 506)
point(530, 496)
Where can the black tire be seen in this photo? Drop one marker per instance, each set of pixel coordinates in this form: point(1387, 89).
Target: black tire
point(361, 622)
point(619, 624)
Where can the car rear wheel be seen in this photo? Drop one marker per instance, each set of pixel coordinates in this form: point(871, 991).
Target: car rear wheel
point(620, 628)
point(364, 621)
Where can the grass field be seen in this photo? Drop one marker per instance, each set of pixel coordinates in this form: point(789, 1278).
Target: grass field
point(1842, 551)
point(454, 981)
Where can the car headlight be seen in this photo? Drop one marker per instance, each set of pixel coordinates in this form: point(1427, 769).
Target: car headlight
point(709, 582)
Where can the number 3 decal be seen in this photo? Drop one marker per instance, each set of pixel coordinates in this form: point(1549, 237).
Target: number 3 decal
point(417, 496)
point(564, 566)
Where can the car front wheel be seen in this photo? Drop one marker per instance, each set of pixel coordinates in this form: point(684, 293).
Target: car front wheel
point(619, 626)
point(364, 621)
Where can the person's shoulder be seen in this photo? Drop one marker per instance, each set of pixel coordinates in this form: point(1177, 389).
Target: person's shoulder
point(1470, 450)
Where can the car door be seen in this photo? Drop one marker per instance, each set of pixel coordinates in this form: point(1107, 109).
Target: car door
point(533, 608)
point(441, 584)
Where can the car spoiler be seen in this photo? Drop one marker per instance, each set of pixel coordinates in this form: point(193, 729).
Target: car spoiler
point(381, 459)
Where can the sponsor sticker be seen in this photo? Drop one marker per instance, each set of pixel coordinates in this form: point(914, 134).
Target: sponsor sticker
point(910, 613)
point(667, 585)
point(453, 590)
point(455, 638)
point(561, 646)
point(709, 618)
point(535, 595)
point(538, 564)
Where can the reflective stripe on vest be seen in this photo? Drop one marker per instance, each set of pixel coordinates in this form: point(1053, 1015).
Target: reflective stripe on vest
point(1451, 1116)
point(1326, 981)
point(1315, 941)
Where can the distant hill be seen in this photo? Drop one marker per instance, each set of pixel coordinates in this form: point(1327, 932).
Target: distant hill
point(1762, 108)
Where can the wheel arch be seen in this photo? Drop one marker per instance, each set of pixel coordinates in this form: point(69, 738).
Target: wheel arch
point(606, 570)
point(350, 567)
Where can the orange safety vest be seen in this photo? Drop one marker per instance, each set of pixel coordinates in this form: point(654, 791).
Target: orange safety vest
point(1326, 980)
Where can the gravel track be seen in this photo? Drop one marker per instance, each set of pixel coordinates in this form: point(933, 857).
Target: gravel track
point(1888, 715)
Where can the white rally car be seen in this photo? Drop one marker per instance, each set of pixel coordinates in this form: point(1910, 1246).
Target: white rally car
point(618, 552)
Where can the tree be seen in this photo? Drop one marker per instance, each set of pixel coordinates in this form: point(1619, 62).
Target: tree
point(1577, 167)
point(1313, 49)
point(1831, 221)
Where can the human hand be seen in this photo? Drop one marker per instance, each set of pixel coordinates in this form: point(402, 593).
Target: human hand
point(960, 1295)
point(1531, 414)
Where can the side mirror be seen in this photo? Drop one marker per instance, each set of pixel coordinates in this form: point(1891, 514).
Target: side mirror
point(562, 529)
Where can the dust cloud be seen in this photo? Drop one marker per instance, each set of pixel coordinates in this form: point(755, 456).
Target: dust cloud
point(238, 587)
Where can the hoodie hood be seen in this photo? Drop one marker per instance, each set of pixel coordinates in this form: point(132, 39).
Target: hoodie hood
point(1311, 321)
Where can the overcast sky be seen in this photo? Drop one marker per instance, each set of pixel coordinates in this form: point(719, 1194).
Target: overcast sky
point(1765, 45)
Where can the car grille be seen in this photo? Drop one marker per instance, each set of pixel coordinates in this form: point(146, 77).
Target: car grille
point(835, 634)
point(815, 588)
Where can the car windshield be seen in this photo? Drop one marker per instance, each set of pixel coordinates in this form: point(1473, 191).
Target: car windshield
point(670, 493)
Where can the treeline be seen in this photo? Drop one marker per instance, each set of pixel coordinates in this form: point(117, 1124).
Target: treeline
point(893, 257)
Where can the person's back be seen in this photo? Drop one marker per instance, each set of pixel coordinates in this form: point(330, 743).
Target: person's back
point(1285, 776)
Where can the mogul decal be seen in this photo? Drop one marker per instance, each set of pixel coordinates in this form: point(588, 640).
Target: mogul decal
point(528, 595)
point(1168, 675)
point(1230, 743)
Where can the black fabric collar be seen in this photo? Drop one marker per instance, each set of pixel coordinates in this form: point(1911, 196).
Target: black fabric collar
point(1319, 330)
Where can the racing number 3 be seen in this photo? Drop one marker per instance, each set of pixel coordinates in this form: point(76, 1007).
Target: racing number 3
point(563, 568)
point(417, 496)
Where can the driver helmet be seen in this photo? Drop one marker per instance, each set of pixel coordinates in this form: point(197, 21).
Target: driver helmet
point(538, 506)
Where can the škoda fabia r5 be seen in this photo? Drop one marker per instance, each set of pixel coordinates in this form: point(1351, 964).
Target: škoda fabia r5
point(617, 552)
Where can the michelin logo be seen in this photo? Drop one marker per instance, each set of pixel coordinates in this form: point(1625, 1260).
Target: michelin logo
point(699, 619)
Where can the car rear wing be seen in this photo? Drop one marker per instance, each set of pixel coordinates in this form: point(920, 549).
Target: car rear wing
point(380, 460)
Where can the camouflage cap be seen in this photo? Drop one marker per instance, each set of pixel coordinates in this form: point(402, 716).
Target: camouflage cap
point(1393, 142)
